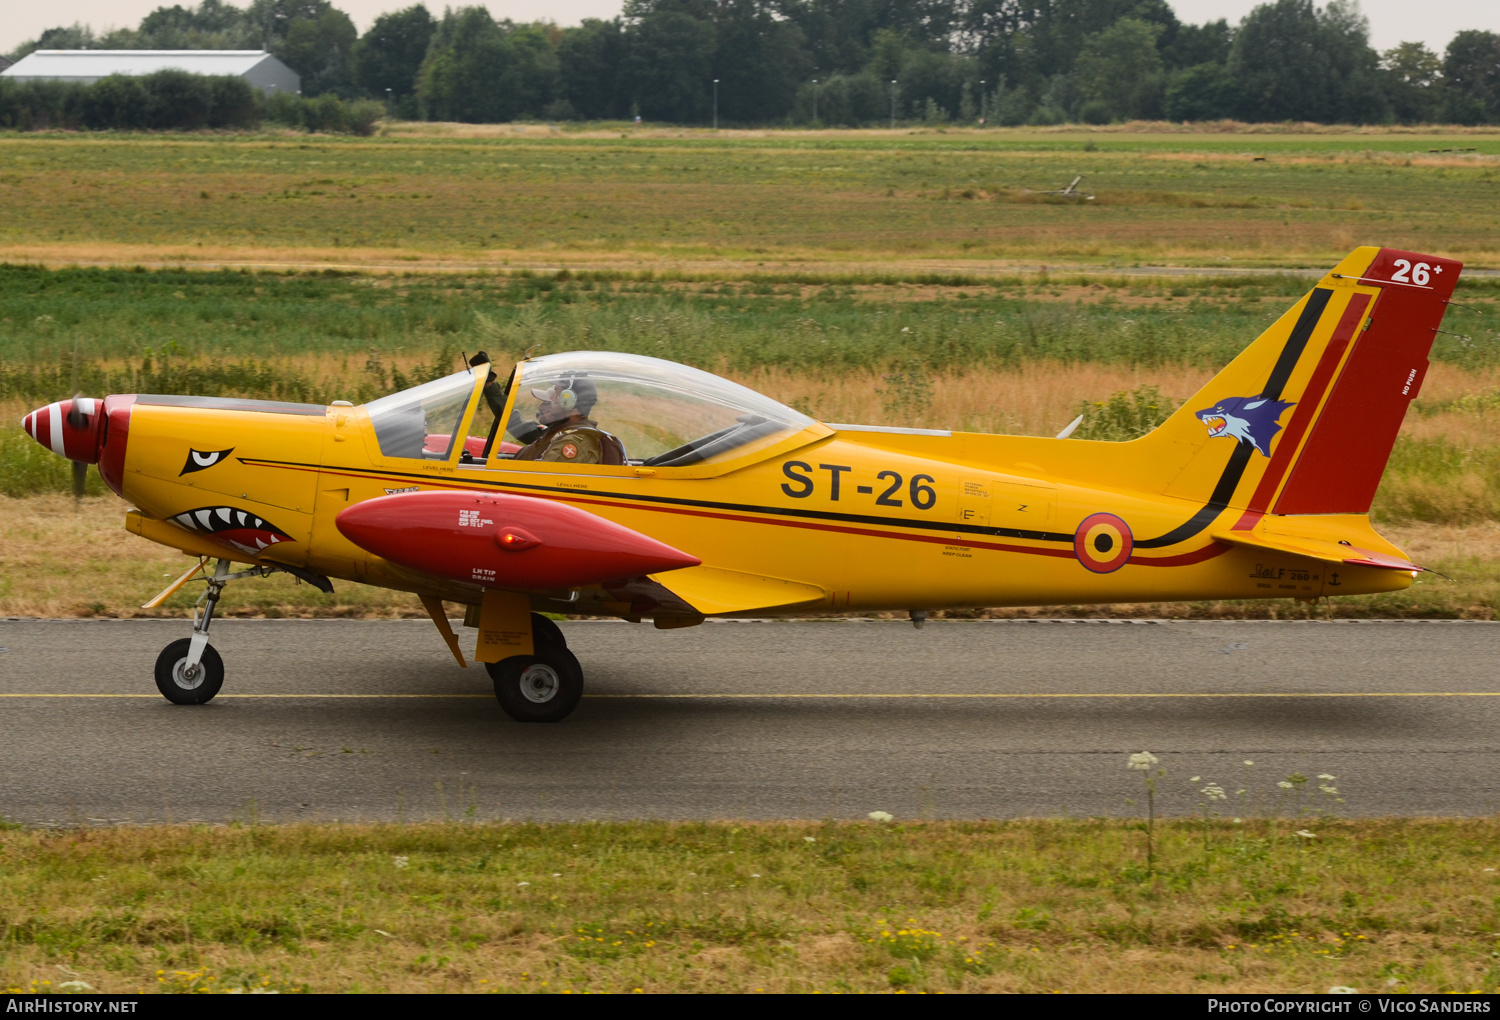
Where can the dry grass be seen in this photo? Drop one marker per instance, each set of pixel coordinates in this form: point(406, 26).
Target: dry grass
point(1033, 399)
point(62, 558)
point(1378, 905)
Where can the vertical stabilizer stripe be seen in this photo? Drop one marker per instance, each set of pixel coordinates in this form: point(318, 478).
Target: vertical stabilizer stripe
point(1239, 459)
point(1296, 343)
point(1307, 407)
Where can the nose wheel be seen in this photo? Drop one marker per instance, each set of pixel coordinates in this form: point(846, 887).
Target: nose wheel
point(188, 683)
point(189, 671)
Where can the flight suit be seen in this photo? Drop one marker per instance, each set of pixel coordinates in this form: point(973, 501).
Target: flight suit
point(574, 442)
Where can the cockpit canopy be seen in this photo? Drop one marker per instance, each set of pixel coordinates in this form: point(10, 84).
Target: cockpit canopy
point(664, 414)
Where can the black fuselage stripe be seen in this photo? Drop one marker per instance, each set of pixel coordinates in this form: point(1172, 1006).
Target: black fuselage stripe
point(702, 504)
point(1223, 492)
point(1296, 343)
point(1239, 460)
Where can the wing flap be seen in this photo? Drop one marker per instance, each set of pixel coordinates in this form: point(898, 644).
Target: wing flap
point(714, 591)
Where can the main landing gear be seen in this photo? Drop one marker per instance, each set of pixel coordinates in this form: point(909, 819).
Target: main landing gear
point(189, 671)
point(544, 686)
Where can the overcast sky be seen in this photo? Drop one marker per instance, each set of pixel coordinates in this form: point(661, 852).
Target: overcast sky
point(1391, 21)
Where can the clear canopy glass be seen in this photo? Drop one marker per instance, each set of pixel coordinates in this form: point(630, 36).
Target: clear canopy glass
point(665, 414)
point(423, 421)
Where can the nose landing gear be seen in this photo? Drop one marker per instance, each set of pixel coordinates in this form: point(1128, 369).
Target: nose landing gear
point(189, 671)
point(185, 682)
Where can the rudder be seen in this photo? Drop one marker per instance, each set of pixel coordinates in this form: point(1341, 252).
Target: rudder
point(1338, 468)
point(1314, 404)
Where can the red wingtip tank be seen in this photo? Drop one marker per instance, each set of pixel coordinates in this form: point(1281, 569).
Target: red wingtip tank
point(504, 541)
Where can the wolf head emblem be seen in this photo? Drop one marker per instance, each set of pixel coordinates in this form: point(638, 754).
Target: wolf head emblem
point(1250, 420)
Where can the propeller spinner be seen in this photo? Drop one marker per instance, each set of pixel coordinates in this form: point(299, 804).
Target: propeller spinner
point(70, 428)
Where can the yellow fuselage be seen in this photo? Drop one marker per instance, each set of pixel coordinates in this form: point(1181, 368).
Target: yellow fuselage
point(856, 520)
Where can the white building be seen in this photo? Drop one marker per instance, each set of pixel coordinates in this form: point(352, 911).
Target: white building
point(257, 67)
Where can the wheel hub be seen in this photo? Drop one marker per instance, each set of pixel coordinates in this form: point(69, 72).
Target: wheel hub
point(188, 677)
point(540, 683)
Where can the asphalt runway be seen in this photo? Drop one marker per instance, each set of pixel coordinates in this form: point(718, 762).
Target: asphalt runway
point(363, 720)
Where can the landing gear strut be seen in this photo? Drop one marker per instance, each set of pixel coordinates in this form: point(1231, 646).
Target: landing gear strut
point(189, 671)
point(544, 686)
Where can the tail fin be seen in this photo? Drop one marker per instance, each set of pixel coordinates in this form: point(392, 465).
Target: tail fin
point(1303, 421)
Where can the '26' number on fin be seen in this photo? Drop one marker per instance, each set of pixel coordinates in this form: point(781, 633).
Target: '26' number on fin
point(1420, 274)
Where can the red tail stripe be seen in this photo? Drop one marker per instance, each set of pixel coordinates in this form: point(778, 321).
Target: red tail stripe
point(1307, 407)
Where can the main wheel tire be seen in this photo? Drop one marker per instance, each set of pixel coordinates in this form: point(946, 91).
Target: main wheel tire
point(544, 687)
point(547, 631)
point(177, 688)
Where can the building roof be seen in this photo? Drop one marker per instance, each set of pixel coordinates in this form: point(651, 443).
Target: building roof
point(102, 63)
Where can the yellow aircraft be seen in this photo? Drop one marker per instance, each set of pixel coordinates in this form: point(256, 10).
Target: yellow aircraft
point(602, 484)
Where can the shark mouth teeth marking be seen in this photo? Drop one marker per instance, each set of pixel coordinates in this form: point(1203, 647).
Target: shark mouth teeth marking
point(239, 528)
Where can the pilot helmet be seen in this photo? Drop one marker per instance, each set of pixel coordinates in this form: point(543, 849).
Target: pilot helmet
point(566, 397)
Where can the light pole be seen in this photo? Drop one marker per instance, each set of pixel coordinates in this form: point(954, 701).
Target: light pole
point(716, 104)
point(981, 102)
point(815, 101)
point(389, 107)
point(893, 104)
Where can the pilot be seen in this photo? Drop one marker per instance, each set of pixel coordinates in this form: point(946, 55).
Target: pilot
point(569, 436)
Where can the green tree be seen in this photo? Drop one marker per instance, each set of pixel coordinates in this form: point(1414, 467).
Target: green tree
point(1346, 38)
point(388, 56)
point(1208, 43)
point(1121, 68)
point(1201, 92)
point(1293, 62)
point(1471, 68)
point(845, 100)
point(589, 61)
point(76, 36)
point(668, 69)
point(320, 50)
point(212, 25)
point(274, 18)
point(116, 103)
point(759, 59)
point(479, 71)
point(1413, 82)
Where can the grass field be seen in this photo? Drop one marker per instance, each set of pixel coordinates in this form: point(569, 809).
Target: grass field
point(882, 277)
point(673, 197)
point(1285, 902)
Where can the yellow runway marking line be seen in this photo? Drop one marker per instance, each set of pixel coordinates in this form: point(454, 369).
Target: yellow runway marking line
point(834, 697)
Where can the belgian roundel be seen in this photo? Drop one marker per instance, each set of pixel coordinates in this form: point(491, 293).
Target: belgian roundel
point(1103, 543)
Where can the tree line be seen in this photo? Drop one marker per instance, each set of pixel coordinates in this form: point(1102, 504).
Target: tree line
point(851, 62)
point(176, 101)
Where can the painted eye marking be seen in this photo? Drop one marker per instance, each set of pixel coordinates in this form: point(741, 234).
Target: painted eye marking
point(198, 460)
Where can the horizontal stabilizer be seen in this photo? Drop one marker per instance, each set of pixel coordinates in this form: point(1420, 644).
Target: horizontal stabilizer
point(1325, 549)
point(713, 591)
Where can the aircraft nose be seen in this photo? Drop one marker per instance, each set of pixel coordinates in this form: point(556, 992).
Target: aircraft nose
point(69, 428)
